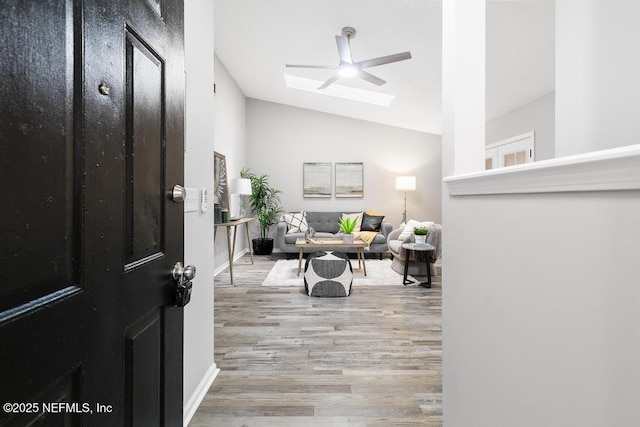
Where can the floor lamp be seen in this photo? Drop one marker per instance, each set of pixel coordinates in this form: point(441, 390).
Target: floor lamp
point(405, 183)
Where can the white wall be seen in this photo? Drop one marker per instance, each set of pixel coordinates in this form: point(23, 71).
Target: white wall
point(229, 139)
point(537, 116)
point(597, 69)
point(541, 308)
point(198, 172)
point(281, 138)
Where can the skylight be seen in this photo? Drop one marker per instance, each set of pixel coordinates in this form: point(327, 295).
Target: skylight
point(339, 91)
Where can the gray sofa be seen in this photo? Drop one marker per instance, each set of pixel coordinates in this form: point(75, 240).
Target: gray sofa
point(327, 224)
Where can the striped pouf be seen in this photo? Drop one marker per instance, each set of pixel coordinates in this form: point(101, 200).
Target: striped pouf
point(328, 274)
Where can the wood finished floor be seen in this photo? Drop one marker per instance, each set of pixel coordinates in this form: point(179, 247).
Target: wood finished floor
point(371, 359)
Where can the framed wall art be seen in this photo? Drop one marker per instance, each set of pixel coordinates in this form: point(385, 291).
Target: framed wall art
point(349, 180)
point(220, 181)
point(316, 180)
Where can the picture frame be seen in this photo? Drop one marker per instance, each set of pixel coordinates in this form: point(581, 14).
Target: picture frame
point(220, 181)
point(316, 182)
point(349, 179)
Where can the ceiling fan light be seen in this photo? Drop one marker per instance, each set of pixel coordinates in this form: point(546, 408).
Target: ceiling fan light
point(347, 70)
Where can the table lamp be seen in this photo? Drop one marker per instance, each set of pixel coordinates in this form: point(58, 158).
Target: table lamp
point(241, 187)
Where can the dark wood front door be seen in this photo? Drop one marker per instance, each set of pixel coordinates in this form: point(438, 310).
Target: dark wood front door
point(91, 145)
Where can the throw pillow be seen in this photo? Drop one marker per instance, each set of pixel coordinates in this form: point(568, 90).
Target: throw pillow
point(371, 222)
point(296, 222)
point(375, 213)
point(357, 217)
point(411, 224)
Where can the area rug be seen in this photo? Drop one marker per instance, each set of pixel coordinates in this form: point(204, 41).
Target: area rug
point(379, 272)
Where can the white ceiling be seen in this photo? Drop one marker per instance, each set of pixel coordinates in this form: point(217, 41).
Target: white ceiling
point(256, 38)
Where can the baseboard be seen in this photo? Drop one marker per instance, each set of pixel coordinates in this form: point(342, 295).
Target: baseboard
point(196, 398)
point(226, 264)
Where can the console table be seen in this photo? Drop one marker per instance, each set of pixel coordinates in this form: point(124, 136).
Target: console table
point(231, 247)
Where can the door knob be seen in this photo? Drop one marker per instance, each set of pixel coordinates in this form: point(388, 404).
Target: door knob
point(178, 194)
point(179, 271)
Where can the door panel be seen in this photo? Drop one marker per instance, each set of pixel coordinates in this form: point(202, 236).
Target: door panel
point(145, 153)
point(144, 373)
point(40, 269)
point(516, 151)
point(90, 141)
point(513, 151)
point(41, 158)
point(511, 156)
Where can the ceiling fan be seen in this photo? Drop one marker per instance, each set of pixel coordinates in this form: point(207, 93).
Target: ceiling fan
point(347, 68)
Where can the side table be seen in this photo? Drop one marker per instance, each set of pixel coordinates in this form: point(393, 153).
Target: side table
point(233, 224)
point(422, 253)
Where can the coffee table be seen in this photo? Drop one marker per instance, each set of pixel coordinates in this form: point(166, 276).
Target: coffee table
point(324, 244)
point(422, 252)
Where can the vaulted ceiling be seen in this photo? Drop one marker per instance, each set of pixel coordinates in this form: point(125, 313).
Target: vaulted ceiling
point(256, 38)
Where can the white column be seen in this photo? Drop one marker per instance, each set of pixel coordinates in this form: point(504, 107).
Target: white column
point(463, 86)
point(463, 112)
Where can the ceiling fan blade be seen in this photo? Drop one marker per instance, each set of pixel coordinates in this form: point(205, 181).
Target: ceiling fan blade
point(374, 62)
point(344, 50)
point(371, 78)
point(328, 82)
point(326, 67)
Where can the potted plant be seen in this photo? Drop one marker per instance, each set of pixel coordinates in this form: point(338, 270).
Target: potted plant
point(265, 205)
point(347, 225)
point(420, 235)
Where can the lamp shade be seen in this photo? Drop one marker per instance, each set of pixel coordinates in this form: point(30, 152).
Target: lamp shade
point(239, 186)
point(406, 183)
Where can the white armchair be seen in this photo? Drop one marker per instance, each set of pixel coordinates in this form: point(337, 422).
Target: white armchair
point(415, 268)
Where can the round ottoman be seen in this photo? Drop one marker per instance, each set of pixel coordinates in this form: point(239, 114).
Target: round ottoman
point(328, 274)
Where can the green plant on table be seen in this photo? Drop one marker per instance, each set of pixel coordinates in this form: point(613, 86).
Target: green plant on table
point(347, 225)
point(420, 231)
